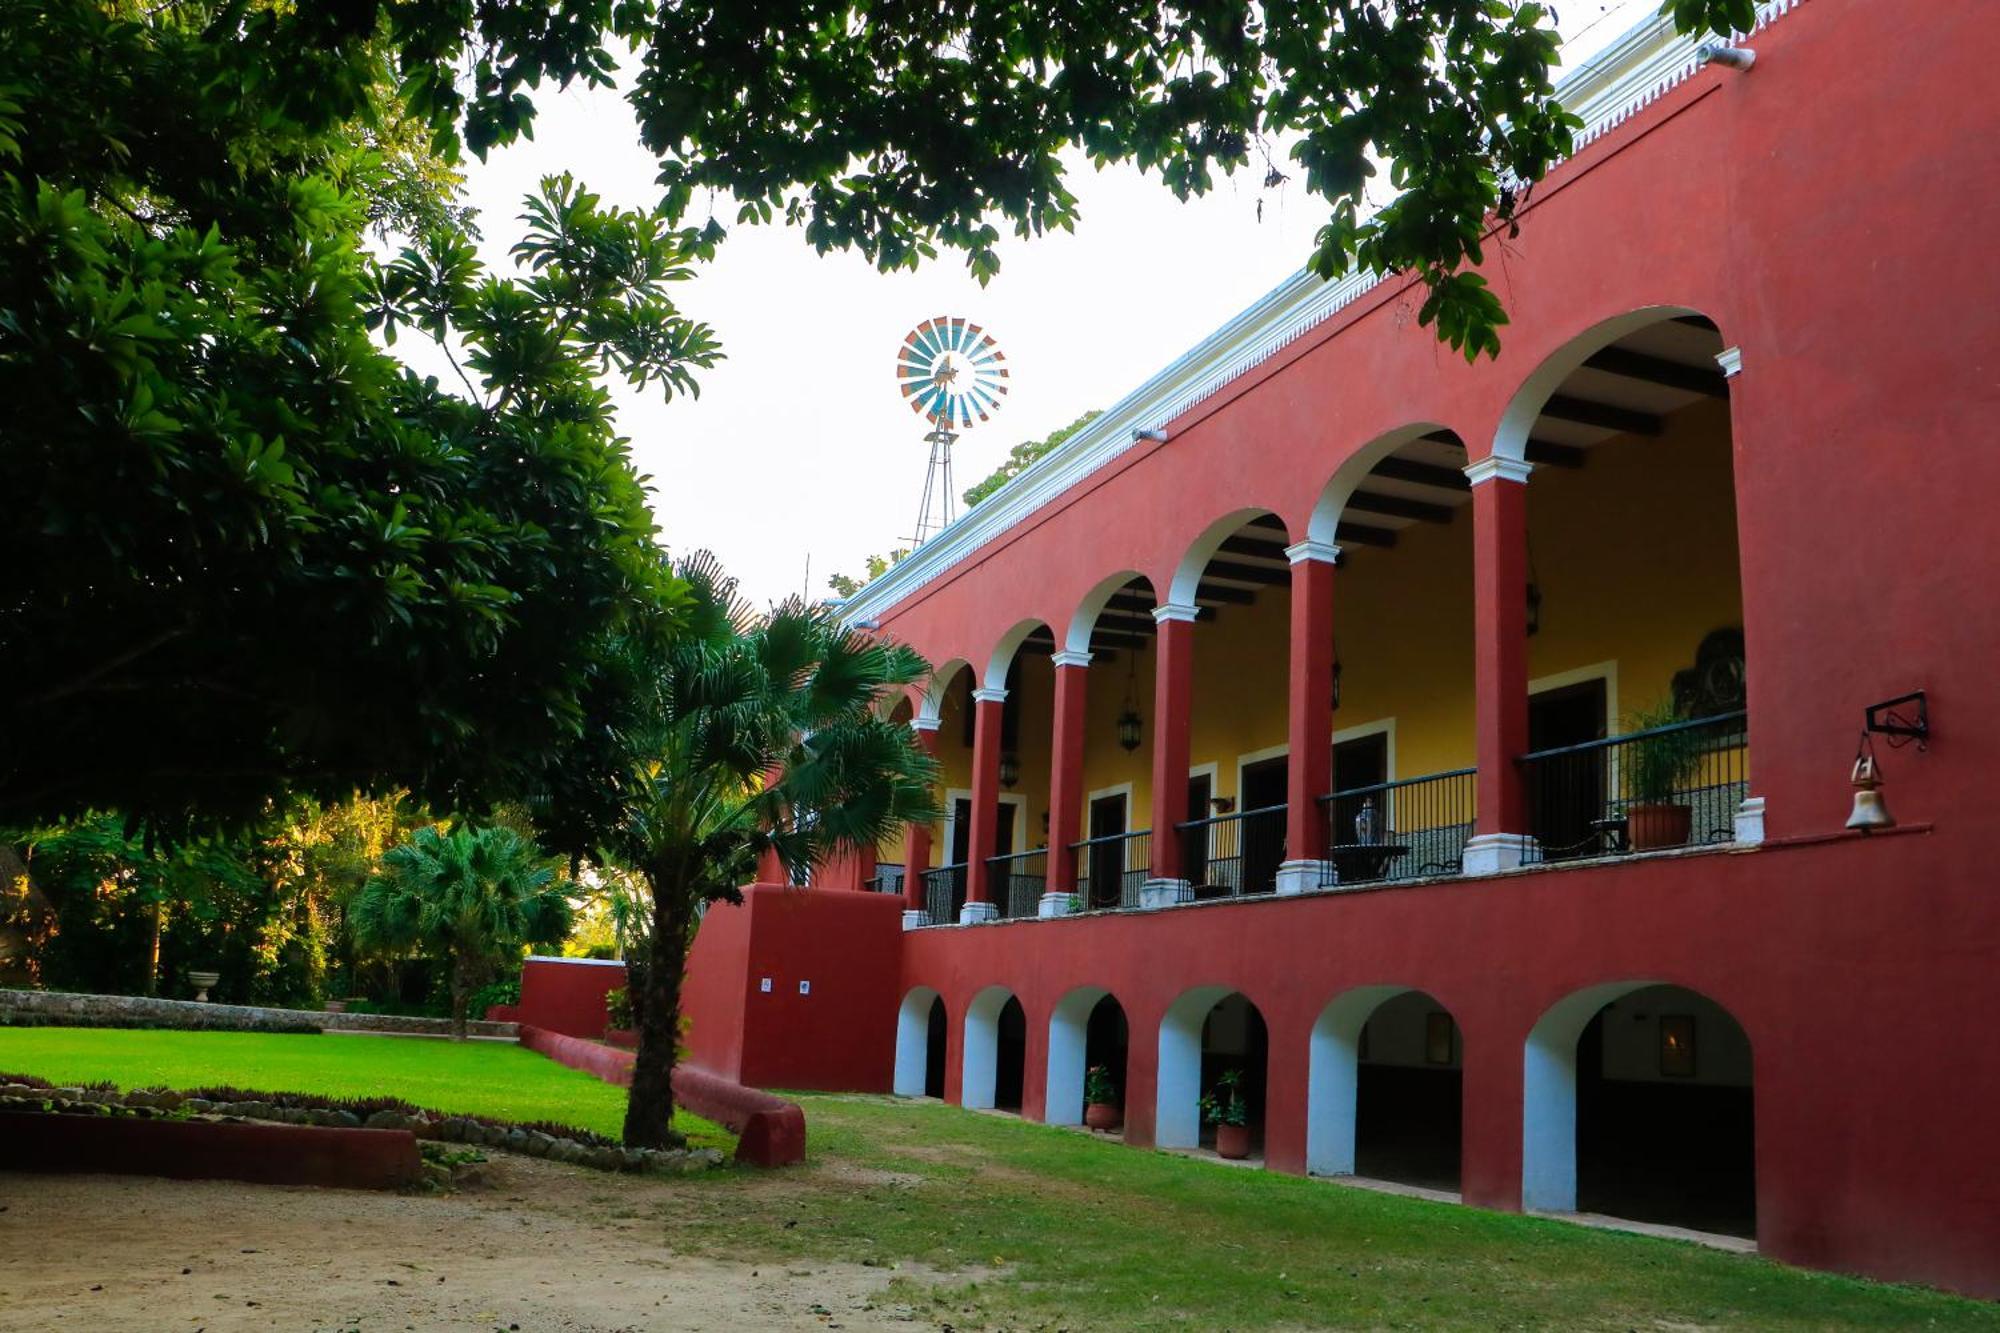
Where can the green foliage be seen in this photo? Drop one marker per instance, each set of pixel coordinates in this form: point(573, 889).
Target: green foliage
point(1018, 459)
point(475, 897)
point(247, 550)
point(506, 990)
point(1223, 1103)
point(1657, 767)
point(846, 585)
point(744, 736)
point(618, 1008)
point(1098, 1087)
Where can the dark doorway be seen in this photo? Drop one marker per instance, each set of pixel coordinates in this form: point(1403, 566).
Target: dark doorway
point(1195, 845)
point(1264, 785)
point(1671, 1148)
point(934, 1039)
point(1106, 1042)
point(1104, 864)
point(1409, 1094)
point(1010, 1056)
point(1360, 763)
point(1233, 1038)
point(1566, 795)
point(961, 830)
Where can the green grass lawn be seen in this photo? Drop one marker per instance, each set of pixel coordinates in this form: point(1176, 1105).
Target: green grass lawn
point(1052, 1230)
point(473, 1077)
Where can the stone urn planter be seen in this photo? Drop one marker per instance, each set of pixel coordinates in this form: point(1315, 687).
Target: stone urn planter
point(201, 981)
point(336, 1006)
point(1103, 1116)
point(1232, 1142)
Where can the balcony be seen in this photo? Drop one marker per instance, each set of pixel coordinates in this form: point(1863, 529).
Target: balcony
point(1387, 831)
point(1672, 786)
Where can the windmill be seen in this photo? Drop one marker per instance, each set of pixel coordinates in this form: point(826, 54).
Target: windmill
point(953, 375)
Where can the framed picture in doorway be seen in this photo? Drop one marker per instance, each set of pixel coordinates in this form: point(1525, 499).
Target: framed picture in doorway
point(1676, 1045)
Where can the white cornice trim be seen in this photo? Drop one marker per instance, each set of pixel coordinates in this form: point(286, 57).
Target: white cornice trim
point(1486, 469)
point(925, 723)
point(1731, 361)
point(1166, 611)
point(1624, 78)
point(986, 694)
point(1069, 657)
point(1324, 552)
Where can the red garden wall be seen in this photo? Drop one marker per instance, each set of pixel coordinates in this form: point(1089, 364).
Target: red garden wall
point(210, 1150)
point(567, 994)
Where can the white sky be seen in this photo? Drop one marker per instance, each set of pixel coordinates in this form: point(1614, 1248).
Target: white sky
point(799, 446)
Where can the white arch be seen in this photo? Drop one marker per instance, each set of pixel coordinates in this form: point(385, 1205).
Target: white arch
point(979, 1070)
point(1511, 439)
point(1333, 1062)
point(913, 1042)
point(1177, 1102)
point(1077, 640)
point(1003, 652)
point(1187, 578)
point(938, 686)
point(1324, 526)
point(1548, 1096)
point(1069, 1033)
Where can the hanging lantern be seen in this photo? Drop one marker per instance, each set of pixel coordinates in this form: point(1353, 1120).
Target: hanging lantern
point(1870, 811)
point(1130, 724)
point(1336, 680)
point(1010, 769)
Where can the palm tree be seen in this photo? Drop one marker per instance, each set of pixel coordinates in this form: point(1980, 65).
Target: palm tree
point(748, 736)
point(474, 897)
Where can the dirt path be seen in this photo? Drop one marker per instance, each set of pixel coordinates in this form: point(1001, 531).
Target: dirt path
point(539, 1247)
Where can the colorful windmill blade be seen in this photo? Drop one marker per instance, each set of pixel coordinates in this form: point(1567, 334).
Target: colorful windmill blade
point(951, 372)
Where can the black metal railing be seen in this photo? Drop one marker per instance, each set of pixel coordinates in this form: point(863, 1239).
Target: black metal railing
point(1110, 869)
point(1016, 882)
point(887, 879)
point(1232, 856)
point(1670, 786)
point(944, 893)
point(1407, 829)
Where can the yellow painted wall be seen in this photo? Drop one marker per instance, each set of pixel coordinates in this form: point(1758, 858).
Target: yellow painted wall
point(1636, 555)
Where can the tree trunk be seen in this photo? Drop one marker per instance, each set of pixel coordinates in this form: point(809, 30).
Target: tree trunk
point(649, 1111)
point(153, 948)
point(461, 995)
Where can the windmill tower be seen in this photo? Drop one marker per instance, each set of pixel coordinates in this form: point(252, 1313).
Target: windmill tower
point(953, 375)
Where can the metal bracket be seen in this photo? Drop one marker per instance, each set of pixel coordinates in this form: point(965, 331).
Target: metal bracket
point(1887, 719)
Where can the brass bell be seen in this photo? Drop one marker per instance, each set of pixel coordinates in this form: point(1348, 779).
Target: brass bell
point(1870, 811)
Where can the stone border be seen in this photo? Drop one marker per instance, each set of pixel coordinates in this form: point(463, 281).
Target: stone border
point(428, 1125)
point(74, 1009)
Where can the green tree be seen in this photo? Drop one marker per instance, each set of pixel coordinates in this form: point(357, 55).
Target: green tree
point(248, 551)
point(747, 736)
point(474, 898)
point(1020, 456)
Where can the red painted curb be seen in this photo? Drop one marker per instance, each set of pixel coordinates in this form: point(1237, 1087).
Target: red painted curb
point(209, 1150)
point(770, 1131)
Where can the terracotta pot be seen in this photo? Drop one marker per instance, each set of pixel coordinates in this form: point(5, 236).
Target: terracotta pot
point(1103, 1115)
point(1648, 827)
point(1232, 1141)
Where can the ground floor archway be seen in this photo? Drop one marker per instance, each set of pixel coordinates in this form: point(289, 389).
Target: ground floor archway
point(1639, 1103)
point(921, 1034)
point(996, 1047)
point(1087, 1031)
point(1208, 1033)
point(1385, 1088)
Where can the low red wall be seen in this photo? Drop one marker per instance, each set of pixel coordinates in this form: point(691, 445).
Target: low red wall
point(209, 1150)
point(567, 994)
point(770, 1131)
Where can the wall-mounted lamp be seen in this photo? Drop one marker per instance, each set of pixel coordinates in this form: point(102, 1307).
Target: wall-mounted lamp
point(1156, 436)
point(1720, 53)
point(1890, 719)
point(1010, 769)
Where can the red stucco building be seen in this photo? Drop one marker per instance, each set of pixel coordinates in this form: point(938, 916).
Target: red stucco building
point(1461, 754)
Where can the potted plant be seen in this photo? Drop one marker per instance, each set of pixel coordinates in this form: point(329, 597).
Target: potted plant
point(1657, 768)
point(1101, 1109)
point(1223, 1106)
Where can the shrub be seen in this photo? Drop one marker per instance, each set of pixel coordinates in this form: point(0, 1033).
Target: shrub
point(618, 1009)
point(1098, 1089)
